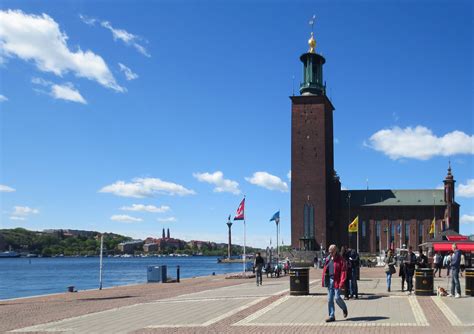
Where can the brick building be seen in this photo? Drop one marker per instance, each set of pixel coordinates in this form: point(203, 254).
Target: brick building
point(321, 211)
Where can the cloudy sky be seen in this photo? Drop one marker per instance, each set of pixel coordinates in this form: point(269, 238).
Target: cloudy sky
point(133, 116)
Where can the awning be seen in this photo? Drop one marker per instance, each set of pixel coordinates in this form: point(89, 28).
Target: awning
point(456, 237)
point(447, 246)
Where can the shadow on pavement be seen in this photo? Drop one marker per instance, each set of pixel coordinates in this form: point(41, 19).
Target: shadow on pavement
point(367, 318)
point(105, 298)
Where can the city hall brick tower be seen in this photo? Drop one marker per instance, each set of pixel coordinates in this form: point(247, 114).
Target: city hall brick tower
point(315, 186)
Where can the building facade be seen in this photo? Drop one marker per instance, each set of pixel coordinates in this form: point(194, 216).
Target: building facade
point(321, 211)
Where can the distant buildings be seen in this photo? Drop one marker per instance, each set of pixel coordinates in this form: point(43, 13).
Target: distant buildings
point(166, 243)
point(130, 246)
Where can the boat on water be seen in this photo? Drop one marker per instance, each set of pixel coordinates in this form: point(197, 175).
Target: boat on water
point(9, 254)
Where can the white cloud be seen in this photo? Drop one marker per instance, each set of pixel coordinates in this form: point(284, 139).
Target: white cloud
point(289, 175)
point(129, 74)
point(6, 189)
point(118, 34)
point(167, 220)
point(146, 208)
point(41, 82)
point(146, 187)
point(67, 92)
point(466, 190)
point(467, 219)
point(440, 187)
point(17, 218)
point(22, 212)
point(268, 181)
point(125, 219)
point(37, 38)
point(87, 20)
point(3, 98)
point(217, 179)
point(420, 143)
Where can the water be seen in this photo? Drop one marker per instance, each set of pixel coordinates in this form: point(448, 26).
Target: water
point(23, 277)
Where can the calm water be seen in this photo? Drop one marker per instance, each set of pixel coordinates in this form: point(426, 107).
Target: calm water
point(22, 277)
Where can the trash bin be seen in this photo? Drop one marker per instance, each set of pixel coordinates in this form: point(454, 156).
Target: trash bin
point(299, 281)
point(469, 282)
point(156, 274)
point(424, 282)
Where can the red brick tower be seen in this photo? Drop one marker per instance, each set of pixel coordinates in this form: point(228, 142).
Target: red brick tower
point(313, 180)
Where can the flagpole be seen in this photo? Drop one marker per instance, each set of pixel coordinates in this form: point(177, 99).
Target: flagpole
point(277, 220)
point(357, 235)
point(100, 261)
point(245, 256)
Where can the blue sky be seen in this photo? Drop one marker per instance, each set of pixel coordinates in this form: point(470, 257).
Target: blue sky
point(123, 125)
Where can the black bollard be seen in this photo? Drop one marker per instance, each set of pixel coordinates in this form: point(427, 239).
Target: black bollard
point(177, 274)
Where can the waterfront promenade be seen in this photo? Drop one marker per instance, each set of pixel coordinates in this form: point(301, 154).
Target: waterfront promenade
point(216, 305)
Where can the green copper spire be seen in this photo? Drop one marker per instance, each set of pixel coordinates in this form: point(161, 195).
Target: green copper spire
point(312, 69)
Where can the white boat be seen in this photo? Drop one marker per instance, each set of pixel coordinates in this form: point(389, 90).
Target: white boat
point(8, 254)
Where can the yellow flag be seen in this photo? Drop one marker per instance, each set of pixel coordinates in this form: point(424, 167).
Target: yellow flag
point(354, 226)
point(432, 227)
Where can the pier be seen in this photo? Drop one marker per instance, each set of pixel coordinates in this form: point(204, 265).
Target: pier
point(218, 305)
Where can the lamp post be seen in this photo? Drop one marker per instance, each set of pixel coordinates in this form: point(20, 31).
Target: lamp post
point(100, 261)
point(349, 233)
point(229, 246)
point(277, 221)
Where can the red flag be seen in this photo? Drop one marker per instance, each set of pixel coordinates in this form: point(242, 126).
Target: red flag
point(240, 211)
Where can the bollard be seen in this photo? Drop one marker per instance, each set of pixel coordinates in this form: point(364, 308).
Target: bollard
point(177, 274)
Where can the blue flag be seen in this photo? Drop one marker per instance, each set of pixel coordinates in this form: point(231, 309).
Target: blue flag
point(276, 216)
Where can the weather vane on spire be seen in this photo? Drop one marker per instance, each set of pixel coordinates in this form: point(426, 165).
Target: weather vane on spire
point(311, 22)
point(312, 41)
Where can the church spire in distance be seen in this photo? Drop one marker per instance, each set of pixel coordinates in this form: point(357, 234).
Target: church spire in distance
point(312, 68)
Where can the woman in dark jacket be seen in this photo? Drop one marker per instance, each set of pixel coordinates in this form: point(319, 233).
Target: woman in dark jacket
point(389, 267)
point(345, 256)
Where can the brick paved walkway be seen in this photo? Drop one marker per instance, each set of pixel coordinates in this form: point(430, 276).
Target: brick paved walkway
point(216, 305)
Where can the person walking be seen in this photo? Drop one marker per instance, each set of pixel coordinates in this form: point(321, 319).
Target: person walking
point(345, 256)
point(422, 260)
point(462, 264)
point(258, 265)
point(389, 268)
point(455, 266)
point(334, 276)
point(401, 270)
point(438, 262)
point(410, 262)
point(447, 263)
point(354, 260)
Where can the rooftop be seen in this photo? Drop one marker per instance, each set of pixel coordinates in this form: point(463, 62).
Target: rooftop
point(390, 197)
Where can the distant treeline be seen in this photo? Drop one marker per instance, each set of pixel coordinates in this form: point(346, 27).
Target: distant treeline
point(56, 243)
point(62, 242)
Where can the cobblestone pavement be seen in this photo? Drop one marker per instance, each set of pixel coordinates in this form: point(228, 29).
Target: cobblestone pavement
point(216, 305)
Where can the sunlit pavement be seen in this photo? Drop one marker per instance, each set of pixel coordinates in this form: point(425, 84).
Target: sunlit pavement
point(246, 308)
